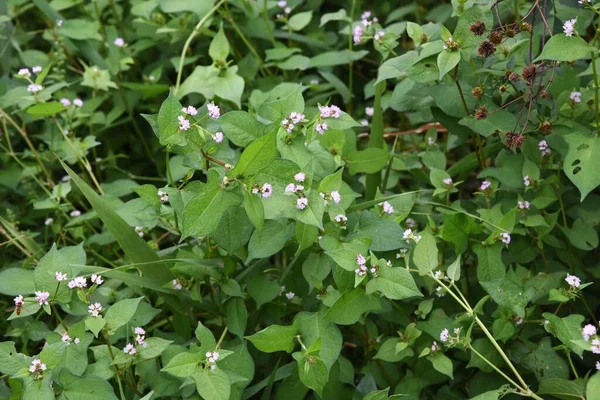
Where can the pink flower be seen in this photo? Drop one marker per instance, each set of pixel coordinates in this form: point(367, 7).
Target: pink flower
point(42, 297)
point(267, 190)
point(95, 309)
point(119, 42)
point(184, 124)
point(219, 137)
point(300, 177)
point(301, 203)
point(321, 128)
point(213, 110)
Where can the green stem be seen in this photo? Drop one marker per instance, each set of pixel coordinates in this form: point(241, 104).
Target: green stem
point(221, 338)
point(288, 267)
point(571, 364)
point(596, 90)
point(189, 41)
point(376, 141)
point(350, 62)
point(497, 369)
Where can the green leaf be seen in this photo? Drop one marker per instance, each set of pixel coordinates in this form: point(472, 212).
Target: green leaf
point(298, 21)
point(442, 364)
point(367, 161)
point(233, 230)
point(582, 235)
point(213, 385)
point(230, 86)
point(453, 271)
point(237, 316)
point(563, 48)
point(45, 279)
point(274, 338)
point(499, 121)
point(489, 262)
point(273, 237)
point(16, 281)
point(45, 109)
point(257, 156)
point(168, 124)
point(81, 29)
point(394, 283)
point(205, 337)
point(339, 15)
point(563, 389)
point(593, 386)
point(507, 293)
point(95, 324)
point(121, 313)
point(203, 212)
point(134, 246)
point(262, 289)
point(312, 371)
point(425, 254)
point(254, 210)
point(351, 305)
point(580, 164)
point(89, 387)
point(185, 364)
point(219, 46)
point(566, 330)
point(241, 128)
point(446, 61)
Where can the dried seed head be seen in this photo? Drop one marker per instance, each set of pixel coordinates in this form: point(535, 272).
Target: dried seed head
point(481, 113)
point(514, 77)
point(502, 88)
point(526, 27)
point(477, 92)
point(544, 94)
point(509, 32)
point(546, 127)
point(486, 49)
point(495, 37)
point(529, 73)
point(477, 28)
point(514, 140)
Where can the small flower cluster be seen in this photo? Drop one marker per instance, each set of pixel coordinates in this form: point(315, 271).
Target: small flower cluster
point(298, 189)
point(401, 253)
point(387, 207)
point(177, 284)
point(523, 205)
point(440, 291)
point(409, 235)
point(591, 332)
point(504, 237)
point(212, 357)
point(95, 309)
point(78, 282)
point(289, 295)
point(448, 339)
point(24, 73)
point(42, 298)
point(190, 110)
point(485, 185)
point(67, 103)
point(332, 111)
point(569, 27)
point(129, 349)
point(527, 180)
point(37, 367)
point(140, 336)
point(213, 110)
point(286, 10)
point(362, 269)
point(140, 231)
point(293, 119)
point(184, 123)
point(119, 42)
point(451, 45)
point(365, 22)
point(266, 190)
point(66, 339)
point(447, 181)
point(218, 137)
point(341, 219)
point(573, 281)
point(575, 97)
point(335, 196)
point(164, 197)
point(544, 148)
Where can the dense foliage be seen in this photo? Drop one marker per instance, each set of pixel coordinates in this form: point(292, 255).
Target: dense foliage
point(295, 199)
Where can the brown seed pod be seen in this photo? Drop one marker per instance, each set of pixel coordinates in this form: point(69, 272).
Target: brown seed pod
point(529, 73)
point(477, 28)
point(486, 49)
point(481, 113)
point(546, 127)
point(495, 37)
point(502, 88)
point(509, 32)
point(526, 27)
point(514, 140)
point(477, 92)
point(514, 77)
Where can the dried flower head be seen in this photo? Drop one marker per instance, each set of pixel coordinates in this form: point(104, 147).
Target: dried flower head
point(477, 92)
point(477, 28)
point(514, 140)
point(486, 49)
point(481, 113)
point(495, 37)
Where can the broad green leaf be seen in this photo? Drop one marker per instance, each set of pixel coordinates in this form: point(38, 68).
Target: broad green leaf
point(566, 330)
point(298, 21)
point(241, 128)
point(205, 337)
point(593, 386)
point(254, 209)
point(274, 338)
point(185, 364)
point(273, 237)
point(312, 371)
point(233, 230)
point(81, 29)
point(45, 109)
point(89, 387)
point(383, 233)
point(134, 246)
point(563, 389)
point(262, 289)
point(121, 313)
point(446, 61)
point(394, 283)
point(499, 121)
point(564, 48)
point(212, 385)
point(314, 330)
point(237, 316)
point(230, 85)
point(168, 123)
point(425, 254)
point(45, 279)
point(582, 235)
point(489, 262)
point(203, 212)
point(339, 15)
point(219, 47)
point(453, 271)
point(367, 161)
point(507, 293)
point(16, 281)
point(256, 157)
point(348, 309)
point(442, 364)
point(580, 163)
point(95, 324)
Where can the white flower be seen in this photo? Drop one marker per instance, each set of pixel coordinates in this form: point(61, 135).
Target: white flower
point(37, 69)
point(266, 190)
point(212, 356)
point(301, 203)
point(119, 42)
point(282, 4)
point(369, 111)
point(65, 102)
point(296, 117)
point(314, 82)
point(409, 235)
point(164, 197)
point(213, 110)
point(59, 22)
point(430, 141)
point(141, 340)
point(42, 297)
point(360, 260)
point(255, 190)
point(505, 237)
point(366, 15)
point(48, 221)
point(95, 309)
point(281, 289)
point(65, 178)
point(523, 205)
point(519, 321)
point(97, 279)
point(218, 137)
point(444, 335)
point(387, 207)
point(544, 148)
point(595, 346)
point(484, 185)
point(177, 285)
point(75, 213)
point(18, 301)
point(184, 124)
point(139, 331)
point(597, 362)
point(291, 188)
point(364, 122)
point(78, 282)
point(34, 88)
point(575, 96)
point(447, 181)
point(60, 276)
point(361, 270)
point(527, 180)
point(335, 196)
point(24, 73)
point(78, 103)
point(66, 339)
point(435, 346)
point(401, 253)
point(341, 218)
point(379, 35)
point(439, 291)
point(287, 10)
point(129, 349)
point(335, 111)
point(568, 27)
point(37, 366)
point(290, 295)
point(325, 111)
point(300, 177)
point(190, 110)
point(573, 280)
point(321, 128)
point(588, 331)
point(140, 231)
